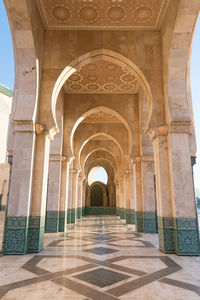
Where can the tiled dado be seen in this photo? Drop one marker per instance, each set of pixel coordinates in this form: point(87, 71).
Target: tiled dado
point(146, 221)
point(100, 211)
point(52, 221)
point(62, 221)
point(3, 207)
point(36, 233)
point(122, 212)
point(130, 216)
point(23, 234)
point(179, 235)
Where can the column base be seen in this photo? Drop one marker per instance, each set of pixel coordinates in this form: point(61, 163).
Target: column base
point(79, 213)
point(179, 236)
point(73, 216)
point(146, 221)
point(130, 216)
point(52, 221)
point(36, 233)
point(62, 221)
point(15, 235)
point(122, 213)
point(69, 216)
point(3, 207)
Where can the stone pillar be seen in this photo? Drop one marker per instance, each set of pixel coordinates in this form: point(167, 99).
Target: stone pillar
point(74, 195)
point(53, 193)
point(19, 198)
point(163, 192)
point(69, 194)
point(122, 211)
point(185, 221)
point(130, 212)
point(117, 198)
point(63, 194)
point(139, 224)
point(38, 208)
point(83, 196)
point(148, 194)
point(79, 204)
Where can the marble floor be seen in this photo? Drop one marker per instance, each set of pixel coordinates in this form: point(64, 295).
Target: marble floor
point(100, 258)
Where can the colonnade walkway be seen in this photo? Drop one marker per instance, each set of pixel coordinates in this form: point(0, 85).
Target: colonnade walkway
point(99, 258)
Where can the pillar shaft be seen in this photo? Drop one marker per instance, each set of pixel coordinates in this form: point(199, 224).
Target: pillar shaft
point(19, 201)
point(122, 198)
point(148, 195)
point(138, 196)
point(53, 194)
point(38, 209)
point(63, 195)
point(74, 196)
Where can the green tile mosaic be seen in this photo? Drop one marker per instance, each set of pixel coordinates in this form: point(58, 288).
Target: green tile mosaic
point(122, 213)
point(79, 213)
point(100, 210)
point(3, 207)
point(69, 216)
point(179, 235)
point(15, 235)
point(130, 216)
point(62, 221)
point(150, 222)
point(73, 216)
point(52, 221)
point(36, 233)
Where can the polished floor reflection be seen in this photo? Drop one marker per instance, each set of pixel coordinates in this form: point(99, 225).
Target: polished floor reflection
point(99, 258)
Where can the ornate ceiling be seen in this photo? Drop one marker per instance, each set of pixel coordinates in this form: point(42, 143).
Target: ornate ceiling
point(98, 14)
point(101, 117)
point(101, 77)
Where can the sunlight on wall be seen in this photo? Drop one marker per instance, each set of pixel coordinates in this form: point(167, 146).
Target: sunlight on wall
point(195, 88)
point(97, 174)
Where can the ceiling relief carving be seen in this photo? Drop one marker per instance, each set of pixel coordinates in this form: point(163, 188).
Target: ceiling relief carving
point(101, 77)
point(101, 117)
point(83, 14)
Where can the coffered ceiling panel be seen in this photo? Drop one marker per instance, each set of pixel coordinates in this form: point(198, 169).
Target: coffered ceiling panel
point(98, 14)
point(102, 77)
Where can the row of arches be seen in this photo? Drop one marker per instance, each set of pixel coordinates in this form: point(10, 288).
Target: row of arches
point(139, 134)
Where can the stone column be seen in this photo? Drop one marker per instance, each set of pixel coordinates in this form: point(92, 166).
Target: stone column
point(19, 199)
point(185, 221)
point(163, 190)
point(74, 195)
point(83, 196)
point(139, 225)
point(117, 198)
point(53, 193)
point(63, 195)
point(69, 194)
point(122, 211)
point(38, 207)
point(130, 212)
point(79, 204)
point(148, 194)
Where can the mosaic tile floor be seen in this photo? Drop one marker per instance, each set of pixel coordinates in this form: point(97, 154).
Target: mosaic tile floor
point(100, 258)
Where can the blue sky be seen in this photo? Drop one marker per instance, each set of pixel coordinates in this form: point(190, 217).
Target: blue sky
point(7, 76)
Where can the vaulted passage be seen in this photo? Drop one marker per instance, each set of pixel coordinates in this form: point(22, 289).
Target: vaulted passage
point(102, 84)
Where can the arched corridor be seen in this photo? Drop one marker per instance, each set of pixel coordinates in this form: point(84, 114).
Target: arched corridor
point(114, 93)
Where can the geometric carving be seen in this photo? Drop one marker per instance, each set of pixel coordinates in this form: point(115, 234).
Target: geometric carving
point(101, 117)
point(102, 77)
point(123, 14)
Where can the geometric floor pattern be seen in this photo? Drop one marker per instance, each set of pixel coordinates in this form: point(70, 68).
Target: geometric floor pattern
point(100, 258)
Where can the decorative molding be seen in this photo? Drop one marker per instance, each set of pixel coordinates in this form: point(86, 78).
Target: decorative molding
point(181, 127)
point(40, 129)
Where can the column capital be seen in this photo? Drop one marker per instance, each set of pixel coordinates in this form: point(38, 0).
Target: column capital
point(54, 157)
point(181, 127)
point(24, 126)
point(40, 129)
point(74, 171)
point(147, 158)
point(154, 132)
point(136, 159)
